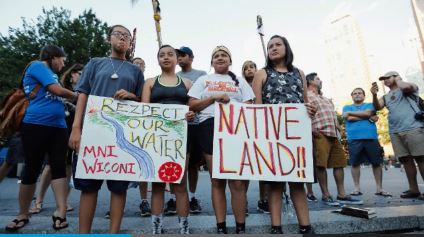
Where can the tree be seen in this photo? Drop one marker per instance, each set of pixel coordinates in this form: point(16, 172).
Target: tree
point(82, 38)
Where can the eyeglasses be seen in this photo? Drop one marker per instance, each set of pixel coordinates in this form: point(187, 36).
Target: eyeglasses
point(119, 35)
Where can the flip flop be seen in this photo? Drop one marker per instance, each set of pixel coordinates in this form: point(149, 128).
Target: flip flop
point(383, 194)
point(17, 227)
point(61, 221)
point(356, 193)
point(38, 207)
point(69, 209)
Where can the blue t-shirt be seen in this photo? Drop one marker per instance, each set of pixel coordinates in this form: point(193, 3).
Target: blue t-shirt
point(96, 78)
point(361, 129)
point(45, 109)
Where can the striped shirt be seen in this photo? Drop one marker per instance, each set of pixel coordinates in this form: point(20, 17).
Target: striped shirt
point(325, 119)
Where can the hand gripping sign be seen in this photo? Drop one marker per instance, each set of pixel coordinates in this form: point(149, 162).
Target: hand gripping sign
point(127, 140)
point(262, 142)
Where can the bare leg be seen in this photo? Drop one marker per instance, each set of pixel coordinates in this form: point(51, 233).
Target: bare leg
point(339, 177)
point(411, 173)
point(309, 190)
point(117, 206)
point(238, 199)
point(322, 180)
point(275, 202)
point(420, 162)
point(263, 190)
point(218, 193)
point(142, 186)
point(60, 188)
point(88, 203)
point(356, 174)
point(45, 180)
point(300, 203)
point(378, 176)
point(26, 192)
point(158, 192)
point(181, 196)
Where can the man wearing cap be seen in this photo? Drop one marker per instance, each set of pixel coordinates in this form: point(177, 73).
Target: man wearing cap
point(185, 60)
point(406, 132)
point(362, 140)
point(328, 151)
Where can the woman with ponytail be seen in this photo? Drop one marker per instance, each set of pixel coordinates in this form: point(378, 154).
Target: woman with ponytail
point(222, 86)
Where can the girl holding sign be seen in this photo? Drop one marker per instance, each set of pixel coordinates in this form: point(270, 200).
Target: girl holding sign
point(281, 82)
point(168, 88)
point(222, 86)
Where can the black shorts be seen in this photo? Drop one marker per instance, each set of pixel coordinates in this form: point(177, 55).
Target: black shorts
point(193, 145)
point(94, 185)
point(206, 130)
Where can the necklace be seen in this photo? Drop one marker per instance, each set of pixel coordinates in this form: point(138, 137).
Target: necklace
point(115, 75)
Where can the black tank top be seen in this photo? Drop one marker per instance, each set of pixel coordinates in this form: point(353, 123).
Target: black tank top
point(282, 87)
point(163, 94)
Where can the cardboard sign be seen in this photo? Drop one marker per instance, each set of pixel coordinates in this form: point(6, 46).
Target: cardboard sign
point(127, 140)
point(262, 142)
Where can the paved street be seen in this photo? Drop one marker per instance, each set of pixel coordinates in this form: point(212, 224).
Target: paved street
point(394, 181)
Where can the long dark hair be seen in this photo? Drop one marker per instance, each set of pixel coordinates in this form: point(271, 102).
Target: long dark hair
point(49, 52)
point(66, 80)
point(288, 58)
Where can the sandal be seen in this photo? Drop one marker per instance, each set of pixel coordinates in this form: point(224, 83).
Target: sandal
point(410, 194)
point(38, 207)
point(61, 221)
point(383, 194)
point(356, 193)
point(69, 208)
point(17, 226)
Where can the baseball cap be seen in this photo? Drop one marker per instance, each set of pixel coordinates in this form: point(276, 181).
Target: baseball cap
point(185, 50)
point(388, 74)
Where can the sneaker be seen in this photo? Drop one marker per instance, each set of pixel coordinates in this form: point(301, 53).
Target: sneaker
point(349, 200)
point(330, 202)
point(409, 194)
point(144, 208)
point(170, 208)
point(157, 226)
point(312, 198)
point(277, 231)
point(221, 231)
point(263, 206)
point(107, 215)
point(195, 206)
point(183, 223)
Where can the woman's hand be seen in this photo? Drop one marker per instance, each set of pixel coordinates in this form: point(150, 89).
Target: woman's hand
point(189, 116)
point(75, 139)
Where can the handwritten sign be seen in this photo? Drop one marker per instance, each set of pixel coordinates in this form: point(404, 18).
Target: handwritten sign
point(262, 142)
point(127, 140)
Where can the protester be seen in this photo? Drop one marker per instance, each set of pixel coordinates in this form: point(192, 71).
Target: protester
point(362, 139)
point(142, 186)
point(328, 150)
point(168, 88)
point(248, 71)
point(185, 61)
point(406, 126)
point(43, 131)
point(68, 80)
point(115, 77)
point(281, 82)
point(203, 96)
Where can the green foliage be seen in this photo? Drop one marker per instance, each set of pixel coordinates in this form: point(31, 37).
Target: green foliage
point(82, 38)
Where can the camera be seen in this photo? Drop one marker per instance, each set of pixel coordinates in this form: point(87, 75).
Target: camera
point(419, 116)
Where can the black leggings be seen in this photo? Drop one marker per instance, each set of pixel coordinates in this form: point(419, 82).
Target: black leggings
point(39, 140)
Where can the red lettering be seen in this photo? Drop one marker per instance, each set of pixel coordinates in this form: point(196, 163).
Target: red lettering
point(242, 163)
point(101, 151)
point(255, 120)
point(286, 121)
point(221, 160)
point(89, 150)
point(110, 154)
point(89, 169)
point(106, 165)
point(290, 156)
point(131, 171)
point(223, 119)
point(242, 116)
point(275, 125)
point(99, 167)
point(269, 163)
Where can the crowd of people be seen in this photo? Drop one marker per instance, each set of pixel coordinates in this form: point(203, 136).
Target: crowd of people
point(50, 134)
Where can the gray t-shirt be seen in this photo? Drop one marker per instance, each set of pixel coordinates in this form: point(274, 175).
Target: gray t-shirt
point(401, 113)
point(192, 75)
point(96, 78)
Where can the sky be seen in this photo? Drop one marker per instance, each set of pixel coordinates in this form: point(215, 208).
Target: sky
point(387, 27)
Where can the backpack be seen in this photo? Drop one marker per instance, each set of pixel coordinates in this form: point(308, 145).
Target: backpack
point(12, 109)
